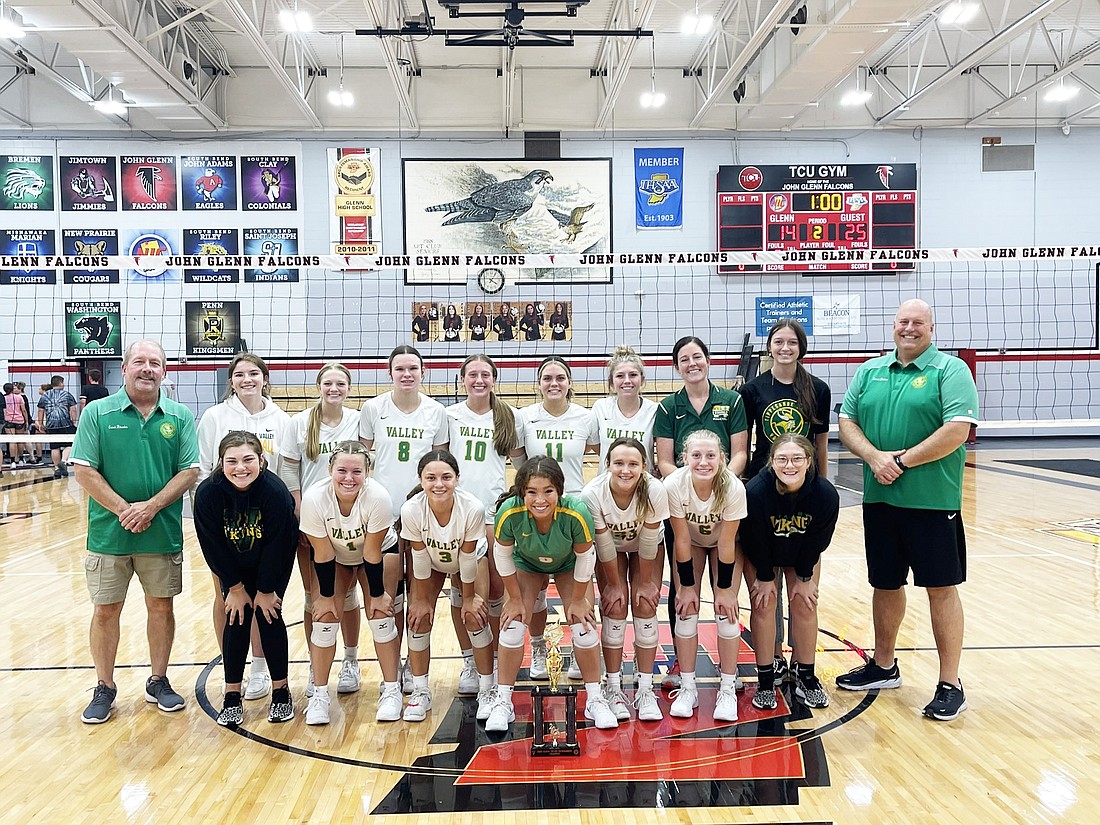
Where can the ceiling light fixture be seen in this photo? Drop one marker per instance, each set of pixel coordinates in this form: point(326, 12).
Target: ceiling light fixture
point(695, 23)
point(339, 97)
point(110, 106)
point(1060, 93)
point(8, 27)
point(295, 21)
point(857, 96)
point(652, 99)
point(958, 13)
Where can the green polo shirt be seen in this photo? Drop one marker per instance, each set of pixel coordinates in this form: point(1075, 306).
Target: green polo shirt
point(137, 458)
point(898, 407)
point(551, 552)
point(723, 415)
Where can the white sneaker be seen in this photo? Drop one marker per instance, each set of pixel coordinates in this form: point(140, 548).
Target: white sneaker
point(616, 699)
point(469, 679)
point(317, 709)
point(538, 662)
point(599, 711)
point(485, 703)
point(258, 686)
point(406, 677)
point(309, 685)
point(725, 709)
point(349, 677)
point(501, 714)
point(574, 671)
point(740, 684)
point(389, 706)
point(419, 704)
point(648, 709)
point(684, 703)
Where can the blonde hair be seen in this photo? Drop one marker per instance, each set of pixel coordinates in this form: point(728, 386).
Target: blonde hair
point(641, 491)
point(351, 448)
point(723, 479)
point(555, 359)
point(623, 355)
point(313, 426)
point(505, 437)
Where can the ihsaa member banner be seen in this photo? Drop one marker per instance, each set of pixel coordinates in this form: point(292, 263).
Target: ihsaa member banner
point(658, 187)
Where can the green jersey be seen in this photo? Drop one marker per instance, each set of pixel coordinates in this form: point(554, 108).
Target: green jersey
point(551, 552)
point(723, 415)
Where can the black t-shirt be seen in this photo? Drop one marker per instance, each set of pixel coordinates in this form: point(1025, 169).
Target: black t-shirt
point(479, 326)
point(771, 409)
point(93, 392)
point(452, 324)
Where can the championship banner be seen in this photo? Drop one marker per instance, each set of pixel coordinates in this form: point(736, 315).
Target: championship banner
point(212, 327)
point(658, 188)
point(93, 329)
point(353, 186)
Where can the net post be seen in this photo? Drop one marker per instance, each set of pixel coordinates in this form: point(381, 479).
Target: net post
point(970, 358)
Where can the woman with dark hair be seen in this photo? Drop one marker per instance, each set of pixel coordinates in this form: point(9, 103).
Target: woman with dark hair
point(530, 324)
point(559, 322)
point(478, 323)
point(504, 324)
point(792, 515)
point(452, 325)
point(244, 520)
point(421, 326)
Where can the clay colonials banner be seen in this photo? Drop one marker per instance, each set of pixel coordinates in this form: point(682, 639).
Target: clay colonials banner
point(269, 183)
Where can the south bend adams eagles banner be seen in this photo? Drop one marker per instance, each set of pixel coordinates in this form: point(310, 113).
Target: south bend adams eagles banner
point(658, 185)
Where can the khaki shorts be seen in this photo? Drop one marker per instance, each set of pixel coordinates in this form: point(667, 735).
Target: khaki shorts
point(160, 574)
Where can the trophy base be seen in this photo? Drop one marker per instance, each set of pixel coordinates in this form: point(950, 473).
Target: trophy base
point(543, 744)
point(555, 749)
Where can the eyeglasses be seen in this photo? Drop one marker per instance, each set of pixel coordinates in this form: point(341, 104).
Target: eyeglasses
point(794, 461)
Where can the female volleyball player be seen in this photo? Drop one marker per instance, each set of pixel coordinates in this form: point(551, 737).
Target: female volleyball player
point(543, 533)
point(446, 527)
point(452, 325)
point(315, 434)
point(421, 325)
point(628, 506)
point(625, 413)
point(247, 406)
point(478, 323)
point(349, 523)
point(706, 501)
point(530, 324)
point(559, 322)
point(792, 516)
point(244, 520)
point(504, 324)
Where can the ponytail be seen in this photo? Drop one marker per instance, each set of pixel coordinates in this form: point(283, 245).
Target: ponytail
point(505, 437)
point(312, 447)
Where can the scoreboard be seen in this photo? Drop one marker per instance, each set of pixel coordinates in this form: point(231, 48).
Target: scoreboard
point(830, 209)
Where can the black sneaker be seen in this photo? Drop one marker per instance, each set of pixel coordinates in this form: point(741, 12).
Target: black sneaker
point(870, 677)
point(948, 703)
point(282, 705)
point(782, 671)
point(159, 691)
point(232, 711)
point(811, 692)
point(99, 709)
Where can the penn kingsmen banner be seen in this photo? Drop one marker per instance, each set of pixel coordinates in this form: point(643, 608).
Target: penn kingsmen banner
point(93, 329)
point(212, 327)
point(658, 188)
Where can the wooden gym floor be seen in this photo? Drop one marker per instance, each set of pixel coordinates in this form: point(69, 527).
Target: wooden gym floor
point(1026, 751)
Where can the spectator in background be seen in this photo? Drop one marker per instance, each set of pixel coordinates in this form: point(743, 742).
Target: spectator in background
point(93, 390)
point(17, 416)
point(57, 416)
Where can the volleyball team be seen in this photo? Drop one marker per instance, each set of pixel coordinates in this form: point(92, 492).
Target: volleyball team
point(405, 501)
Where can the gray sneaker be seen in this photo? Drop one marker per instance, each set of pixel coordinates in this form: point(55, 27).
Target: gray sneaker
point(99, 709)
point(158, 691)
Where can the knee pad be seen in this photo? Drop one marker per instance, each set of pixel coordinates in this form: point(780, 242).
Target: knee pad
point(540, 602)
point(399, 604)
point(687, 628)
point(614, 632)
point(382, 630)
point(512, 636)
point(456, 596)
point(727, 629)
point(645, 632)
point(481, 638)
point(351, 600)
point(324, 634)
point(583, 638)
point(496, 606)
point(419, 641)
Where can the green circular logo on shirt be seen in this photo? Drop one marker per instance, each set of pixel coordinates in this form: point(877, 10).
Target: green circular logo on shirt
point(781, 417)
point(919, 382)
point(168, 429)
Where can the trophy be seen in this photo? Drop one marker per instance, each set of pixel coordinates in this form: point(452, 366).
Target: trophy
point(549, 739)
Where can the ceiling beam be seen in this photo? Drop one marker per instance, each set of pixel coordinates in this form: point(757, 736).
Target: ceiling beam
point(616, 56)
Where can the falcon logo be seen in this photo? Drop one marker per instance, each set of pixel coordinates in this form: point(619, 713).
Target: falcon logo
point(884, 173)
point(148, 177)
point(93, 328)
point(23, 184)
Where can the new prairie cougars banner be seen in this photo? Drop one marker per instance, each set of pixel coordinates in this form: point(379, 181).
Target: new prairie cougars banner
point(658, 187)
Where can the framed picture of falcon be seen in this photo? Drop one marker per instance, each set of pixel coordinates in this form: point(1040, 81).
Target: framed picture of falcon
point(497, 208)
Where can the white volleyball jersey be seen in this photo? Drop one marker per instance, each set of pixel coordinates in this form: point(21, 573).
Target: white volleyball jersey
point(370, 513)
point(624, 524)
point(563, 438)
point(703, 521)
point(311, 472)
point(400, 441)
point(271, 425)
point(481, 467)
point(613, 424)
point(442, 542)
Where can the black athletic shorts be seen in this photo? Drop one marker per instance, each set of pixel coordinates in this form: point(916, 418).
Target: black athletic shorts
point(930, 542)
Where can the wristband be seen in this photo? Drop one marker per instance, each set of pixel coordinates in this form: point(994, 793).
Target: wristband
point(326, 577)
point(725, 574)
point(686, 569)
point(805, 578)
point(901, 465)
point(374, 579)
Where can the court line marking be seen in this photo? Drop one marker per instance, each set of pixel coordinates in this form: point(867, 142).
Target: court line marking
point(32, 553)
point(1042, 550)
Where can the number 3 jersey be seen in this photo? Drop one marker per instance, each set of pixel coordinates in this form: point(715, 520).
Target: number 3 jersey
point(442, 542)
point(471, 442)
point(703, 518)
point(370, 513)
point(400, 441)
point(624, 524)
point(563, 437)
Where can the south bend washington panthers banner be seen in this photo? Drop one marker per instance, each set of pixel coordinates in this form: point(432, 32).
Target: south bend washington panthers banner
point(658, 186)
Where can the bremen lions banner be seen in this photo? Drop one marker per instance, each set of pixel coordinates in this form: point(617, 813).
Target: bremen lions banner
point(658, 188)
point(93, 329)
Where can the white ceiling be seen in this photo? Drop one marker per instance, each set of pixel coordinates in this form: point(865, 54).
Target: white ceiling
point(208, 67)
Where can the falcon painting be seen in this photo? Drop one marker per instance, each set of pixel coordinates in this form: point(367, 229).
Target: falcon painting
point(501, 202)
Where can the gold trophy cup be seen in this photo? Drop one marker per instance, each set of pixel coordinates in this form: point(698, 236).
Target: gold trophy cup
point(548, 739)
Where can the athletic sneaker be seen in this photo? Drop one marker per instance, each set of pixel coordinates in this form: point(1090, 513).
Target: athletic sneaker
point(725, 708)
point(811, 692)
point(948, 703)
point(684, 703)
point(61, 472)
point(317, 709)
point(406, 677)
point(574, 671)
point(501, 714)
point(389, 705)
point(258, 685)
point(537, 670)
point(485, 703)
point(765, 699)
point(309, 685)
point(599, 711)
point(616, 699)
point(159, 691)
point(349, 677)
point(782, 669)
point(870, 677)
point(282, 705)
point(99, 709)
point(672, 678)
point(419, 704)
point(648, 709)
point(469, 679)
point(232, 711)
